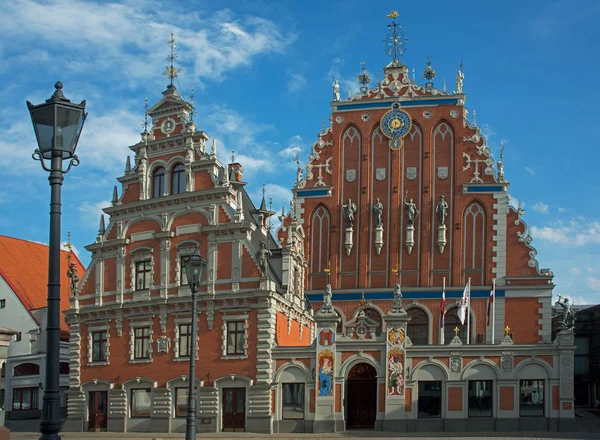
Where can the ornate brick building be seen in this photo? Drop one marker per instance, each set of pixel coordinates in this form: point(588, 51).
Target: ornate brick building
point(400, 202)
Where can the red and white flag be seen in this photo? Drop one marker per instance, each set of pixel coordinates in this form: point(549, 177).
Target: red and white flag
point(443, 303)
point(464, 303)
point(491, 300)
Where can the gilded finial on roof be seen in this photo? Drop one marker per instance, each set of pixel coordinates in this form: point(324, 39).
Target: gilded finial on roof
point(145, 123)
point(363, 79)
point(172, 71)
point(395, 42)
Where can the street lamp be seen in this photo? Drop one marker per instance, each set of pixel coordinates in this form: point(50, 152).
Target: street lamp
point(195, 266)
point(57, 125)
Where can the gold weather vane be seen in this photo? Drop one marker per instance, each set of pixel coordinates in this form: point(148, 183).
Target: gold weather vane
point(69, 247)
point(172, 71)
point(395, 42)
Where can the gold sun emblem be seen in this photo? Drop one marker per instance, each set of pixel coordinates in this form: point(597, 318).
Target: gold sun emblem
point(397, 123)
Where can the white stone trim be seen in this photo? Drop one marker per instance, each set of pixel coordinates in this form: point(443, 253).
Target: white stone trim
point(499, 237)
point(545, 321)
point(132, 327)
point(141, 236)
point(98, 328)
point(232, 318)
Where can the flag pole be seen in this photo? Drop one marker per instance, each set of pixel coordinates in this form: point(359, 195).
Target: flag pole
point(442, 336)
point(469, 314)
point(494, 312)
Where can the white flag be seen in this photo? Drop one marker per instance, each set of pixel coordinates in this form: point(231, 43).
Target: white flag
point(462, 309)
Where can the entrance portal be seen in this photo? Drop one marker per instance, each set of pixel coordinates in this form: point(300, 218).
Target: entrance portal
point(361, 397)
point(98, 409)
point(234, 409)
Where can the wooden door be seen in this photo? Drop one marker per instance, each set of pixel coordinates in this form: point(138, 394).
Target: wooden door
point(361, 397)
point(98, 401)
point(234, 409)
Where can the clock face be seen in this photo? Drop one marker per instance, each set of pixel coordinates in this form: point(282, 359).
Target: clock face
point(396, 123)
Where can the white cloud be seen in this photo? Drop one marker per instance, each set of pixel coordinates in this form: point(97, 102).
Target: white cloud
point(591, 270)
point(541, 207)
point(562, 210)
point(95, 37)
point(296, 82)
point(576, 232)
point(530, 171)
point(91, 213)
point(593, 283)
point(575, 271)
point(295, 146)
point(514, 202)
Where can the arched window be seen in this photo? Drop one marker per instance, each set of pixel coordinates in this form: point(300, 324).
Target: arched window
point(178, 179)
point(158, 183)
point(418, 326)
point(319, 246)
point(64, 368)
point(26, 370)
point(474, 244)
point(375, 316)
point(451, 321)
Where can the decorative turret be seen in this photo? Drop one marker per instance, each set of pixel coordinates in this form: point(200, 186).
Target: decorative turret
point(115, 197)
point(429, 75)
point(101, 229)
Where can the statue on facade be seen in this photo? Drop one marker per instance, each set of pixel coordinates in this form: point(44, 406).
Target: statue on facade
point(442, 210)
point(568, 315)
point(459, 80)
point(349, 210)
point(378, 210)
point(327, 304)
point(263, 256)
point(397, 301)
point(336, 90)
point(411, 211)
point(72, 273)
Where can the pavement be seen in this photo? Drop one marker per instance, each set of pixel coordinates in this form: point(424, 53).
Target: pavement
point(347, 435)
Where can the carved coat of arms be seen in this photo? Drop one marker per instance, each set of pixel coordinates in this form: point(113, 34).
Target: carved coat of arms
point(411, 173)
point(162, 344)
point(350, 175)
point(380, 173)
point(442, 173)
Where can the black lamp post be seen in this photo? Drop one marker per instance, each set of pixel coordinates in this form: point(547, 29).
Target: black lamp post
point(57, 125)
point(195, 266)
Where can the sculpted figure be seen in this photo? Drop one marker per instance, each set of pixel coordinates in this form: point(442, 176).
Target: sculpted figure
point(411, 211)
point(349, 210)
point(568, 316)
point(263, 258)
point(72, 273)
point(397, 301)
point(459, 81)
point(442, 210)
point(336, 90)
point(378, 210)
point(327, 305)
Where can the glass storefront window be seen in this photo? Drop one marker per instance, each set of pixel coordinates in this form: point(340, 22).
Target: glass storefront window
point(480, 398)
point(293, 401)
point(531, 398)
point(430, 399)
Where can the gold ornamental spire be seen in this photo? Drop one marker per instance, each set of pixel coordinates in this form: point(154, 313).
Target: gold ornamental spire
point(395, 43)
point(172, 71)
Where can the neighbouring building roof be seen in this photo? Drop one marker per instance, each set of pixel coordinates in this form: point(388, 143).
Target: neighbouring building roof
point(24, 266)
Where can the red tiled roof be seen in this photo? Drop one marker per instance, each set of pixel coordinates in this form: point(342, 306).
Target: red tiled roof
point(24, 266)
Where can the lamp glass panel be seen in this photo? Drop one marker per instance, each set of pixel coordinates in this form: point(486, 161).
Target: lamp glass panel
point(43, 123)
point(69, 122)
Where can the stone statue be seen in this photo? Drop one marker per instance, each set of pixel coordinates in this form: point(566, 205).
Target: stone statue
point(72, 273)
point(263, 256)
point(327, 299)
point(459, 81)
point(568, 316)
point(378, 210)
point(349, 210)
point(442, 210)
point(411, 211)
point(336, 90)
point(397, 301)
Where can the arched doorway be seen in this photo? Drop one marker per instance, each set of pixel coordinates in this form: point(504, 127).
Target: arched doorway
point(361, 397)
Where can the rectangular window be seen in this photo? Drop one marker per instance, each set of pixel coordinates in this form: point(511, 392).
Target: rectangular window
point(25, 398)
point(235, 337)
point(142, 343)
point(480, 398)
point(141, 403)
point(181, 402)
point(531, 400)
point(18, 336)
point(185, 339)
point(2, 303)
point(292, 401)
point(582, 355)
point(99, 346)
point(183, 281)
point(143, 275)
point(430, 399)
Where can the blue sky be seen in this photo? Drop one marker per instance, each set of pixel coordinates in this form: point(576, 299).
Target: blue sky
point(262, 74)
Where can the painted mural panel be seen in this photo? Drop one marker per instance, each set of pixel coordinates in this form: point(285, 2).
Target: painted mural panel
point(325, 362)
point(396, 353)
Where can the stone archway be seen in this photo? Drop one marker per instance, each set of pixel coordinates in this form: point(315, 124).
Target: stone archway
point(361, 397)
